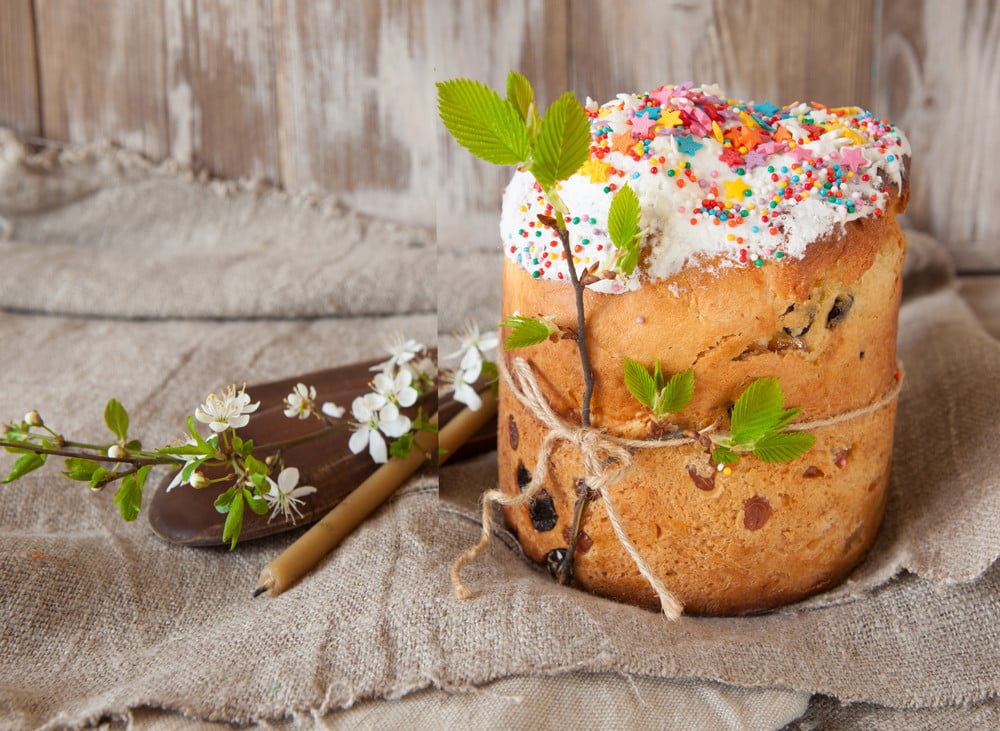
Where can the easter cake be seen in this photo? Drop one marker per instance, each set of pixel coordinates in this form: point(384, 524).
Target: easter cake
point(768, 248)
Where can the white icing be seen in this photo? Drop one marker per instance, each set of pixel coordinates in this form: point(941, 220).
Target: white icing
point(671, 241)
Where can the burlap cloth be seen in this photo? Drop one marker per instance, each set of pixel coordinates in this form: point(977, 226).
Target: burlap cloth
point(118, 278)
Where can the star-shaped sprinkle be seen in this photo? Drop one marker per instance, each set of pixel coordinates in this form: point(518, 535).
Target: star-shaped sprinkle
point(754, 159)
point(688, 144)
point(622, 143)
point(596, 170)
point(853, 158)
point(767, 108)
point(670, 118)
point(782, 135)
point(801, 153)
point(653, 112)
point(662, 95)
point(749, 137)
point(642, 125)
point(731, 157)
point(735, 189)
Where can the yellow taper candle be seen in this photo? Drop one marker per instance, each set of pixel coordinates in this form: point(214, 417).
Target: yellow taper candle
point(323, 537)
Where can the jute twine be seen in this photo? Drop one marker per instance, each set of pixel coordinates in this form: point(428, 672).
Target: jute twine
point(606, 460)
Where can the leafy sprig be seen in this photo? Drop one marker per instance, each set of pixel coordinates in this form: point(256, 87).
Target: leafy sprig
point(660, 396)
point(623, 228)
point(512, 132)
point(758, 425)
point(527, 331)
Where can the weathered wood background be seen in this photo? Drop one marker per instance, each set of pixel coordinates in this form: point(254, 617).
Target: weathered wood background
point(338, 96)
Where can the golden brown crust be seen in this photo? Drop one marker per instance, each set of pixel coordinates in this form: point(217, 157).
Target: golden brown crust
point(766, 534)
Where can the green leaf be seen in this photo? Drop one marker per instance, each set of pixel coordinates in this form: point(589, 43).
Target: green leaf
point(526, 331)
point(128, 498)
point(489, 372)
point(639, 383)
point(757, 411)
point(402, 446)
point(116, 418)
point(676, 394)
point(563, 141)
point(225, 500)
point(483, 123)
point(255, 467)
point(256, 502)
point(80, 469)
point(25, 464)
point(725, 456)
point(783, 447)
point(190, 468)
point(422, 423)
point(520, 94)
point(98, 477)
point(623, 227)
point(234, 520)
point(786, 417)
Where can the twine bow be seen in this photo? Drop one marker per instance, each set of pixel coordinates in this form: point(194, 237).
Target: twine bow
point(606, 460)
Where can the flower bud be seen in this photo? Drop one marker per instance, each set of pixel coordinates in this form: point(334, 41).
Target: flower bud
point(32, 418)
point(117, 451)
point(198, 481)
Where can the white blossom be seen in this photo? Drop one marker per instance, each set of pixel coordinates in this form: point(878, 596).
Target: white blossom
point(300, 402)
point(332, 410)
point(396, 387)
point(424, 370)
point(473, 346)
point(374, 417)
point(229, 411)
point(462, 380)
point(285, 496)
point(401, 351)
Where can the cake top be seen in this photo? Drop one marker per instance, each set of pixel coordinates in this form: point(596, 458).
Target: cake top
point(722, 181)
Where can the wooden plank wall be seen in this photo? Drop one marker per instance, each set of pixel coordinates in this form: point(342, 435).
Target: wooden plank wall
point(338, 96)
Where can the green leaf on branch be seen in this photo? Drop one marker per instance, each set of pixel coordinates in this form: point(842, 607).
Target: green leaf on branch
point(758, 425)
point(527, 331)
point(757, 411)
point(650, 391)
point(81, 469)
point(521, 95)
point(676, 394)
point(640, 384)
point(116, 418)
point(563, 142)
point(225, 500)
point(97, 478)
point(402, 446)
point(26, 463)
point(725, 456)
point(257, 503)
point(422, 423)
point(234, 520)
point(783, 446)
point(623, 228)
point(489, 127)
point(128, 498)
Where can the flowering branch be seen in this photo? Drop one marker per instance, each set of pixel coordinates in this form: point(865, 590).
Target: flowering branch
point(257, 476)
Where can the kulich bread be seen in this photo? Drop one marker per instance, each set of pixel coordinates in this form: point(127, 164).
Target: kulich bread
point(771, 249)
